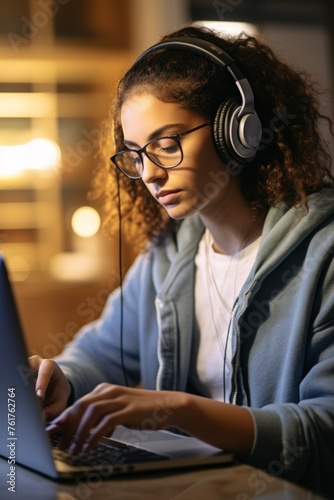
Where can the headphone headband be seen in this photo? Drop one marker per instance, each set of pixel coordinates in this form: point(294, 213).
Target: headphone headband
point(197, 45)
point(238, 139)
point(213, 53)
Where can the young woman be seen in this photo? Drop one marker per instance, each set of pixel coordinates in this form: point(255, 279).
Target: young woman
point(228, 313)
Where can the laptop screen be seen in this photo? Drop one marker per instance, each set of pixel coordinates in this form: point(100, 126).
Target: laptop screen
point(23, 439)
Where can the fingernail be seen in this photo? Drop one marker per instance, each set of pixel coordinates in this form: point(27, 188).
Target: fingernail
point(39, 393)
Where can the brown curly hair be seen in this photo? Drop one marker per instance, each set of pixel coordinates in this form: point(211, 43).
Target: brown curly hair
point(292, 160)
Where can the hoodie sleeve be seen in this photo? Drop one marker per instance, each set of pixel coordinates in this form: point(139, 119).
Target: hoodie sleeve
point(94, 355)
point(296, 440)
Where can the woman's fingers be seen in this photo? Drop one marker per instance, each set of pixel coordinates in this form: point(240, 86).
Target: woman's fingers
point(97, 421)
point(65, 425)
point(97, 413)
point(104, 428)
point(76, 422)
point(44, 369)
point(85, 414)
point(45, 373)
point(51, 386)
point(69, 422)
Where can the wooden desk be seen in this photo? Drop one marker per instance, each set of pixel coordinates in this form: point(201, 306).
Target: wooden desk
point(237, 482)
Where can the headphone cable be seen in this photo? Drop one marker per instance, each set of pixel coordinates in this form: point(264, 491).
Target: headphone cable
point(120, 266)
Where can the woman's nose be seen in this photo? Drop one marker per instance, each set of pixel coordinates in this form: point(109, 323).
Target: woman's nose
point(151, 171)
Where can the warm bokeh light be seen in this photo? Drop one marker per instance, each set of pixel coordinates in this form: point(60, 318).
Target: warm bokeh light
point(19, 267)
point(229, 28)
point(75, 266)
point(37, 154)
point(86, 222)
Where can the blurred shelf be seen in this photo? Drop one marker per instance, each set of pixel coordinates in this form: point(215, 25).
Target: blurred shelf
point(20, 215)
point(64, 65)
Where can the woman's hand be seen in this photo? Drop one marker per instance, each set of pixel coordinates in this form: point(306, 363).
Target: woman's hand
point(96, 414)
point(223, 425)
point(51, 386)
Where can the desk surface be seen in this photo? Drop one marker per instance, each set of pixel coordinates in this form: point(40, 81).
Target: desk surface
point(237, 482)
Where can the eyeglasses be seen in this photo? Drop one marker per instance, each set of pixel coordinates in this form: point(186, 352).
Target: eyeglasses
point(165, 152)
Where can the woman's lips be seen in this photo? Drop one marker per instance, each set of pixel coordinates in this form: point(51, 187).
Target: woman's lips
point(167, 197)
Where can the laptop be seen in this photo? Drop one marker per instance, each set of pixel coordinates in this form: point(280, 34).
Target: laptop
point(24, 440)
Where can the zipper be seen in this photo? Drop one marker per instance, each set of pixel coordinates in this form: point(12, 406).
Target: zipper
point(237, 363)
point(159, 305)
point(234, 396)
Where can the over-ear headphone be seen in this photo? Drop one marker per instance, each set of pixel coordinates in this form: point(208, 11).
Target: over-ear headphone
point(237, 128)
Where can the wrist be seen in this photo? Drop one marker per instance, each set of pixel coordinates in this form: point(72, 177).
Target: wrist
point(178, 406)
point(223, 425)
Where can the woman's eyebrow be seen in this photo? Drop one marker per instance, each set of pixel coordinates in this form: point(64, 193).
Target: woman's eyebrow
point(156, 133)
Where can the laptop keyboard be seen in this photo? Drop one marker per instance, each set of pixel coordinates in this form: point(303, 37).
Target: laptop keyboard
point(116, 454)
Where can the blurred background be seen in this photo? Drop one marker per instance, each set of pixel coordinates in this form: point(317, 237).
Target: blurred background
point(60, 61)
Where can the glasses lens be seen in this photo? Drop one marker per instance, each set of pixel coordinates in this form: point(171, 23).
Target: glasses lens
point(164, 152)
point(130, 163)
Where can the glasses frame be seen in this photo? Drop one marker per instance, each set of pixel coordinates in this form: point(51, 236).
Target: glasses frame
point(176, 137)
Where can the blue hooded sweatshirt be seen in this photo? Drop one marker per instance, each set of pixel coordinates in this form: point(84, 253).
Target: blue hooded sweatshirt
point(282, 329)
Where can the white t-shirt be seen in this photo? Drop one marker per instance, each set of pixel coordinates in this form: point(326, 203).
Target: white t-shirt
point(219, 279)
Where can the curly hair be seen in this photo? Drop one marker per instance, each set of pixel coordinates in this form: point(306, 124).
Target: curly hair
point(292, 161)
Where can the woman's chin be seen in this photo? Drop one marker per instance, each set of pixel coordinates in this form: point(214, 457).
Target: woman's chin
point(178, 212)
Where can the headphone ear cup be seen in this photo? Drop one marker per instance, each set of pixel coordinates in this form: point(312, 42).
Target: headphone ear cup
point(221, 133)
point(229, 133)
point(219, 130)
